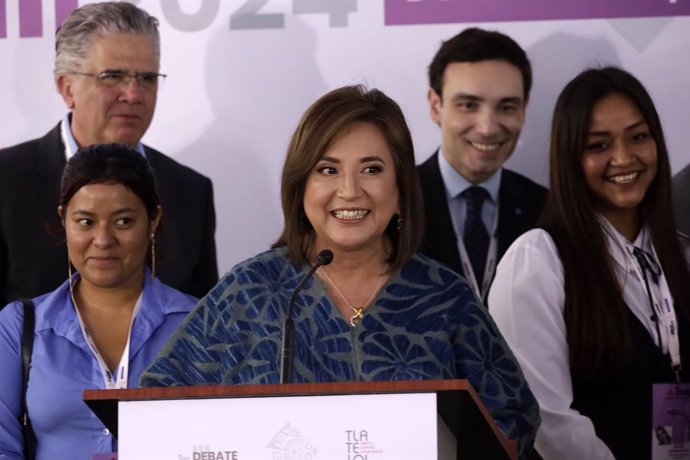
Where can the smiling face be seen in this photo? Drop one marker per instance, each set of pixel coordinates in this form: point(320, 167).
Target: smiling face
point(481, 113)
point(620, 158)
point(103, 114)
point(108, 233)
point(351, 194)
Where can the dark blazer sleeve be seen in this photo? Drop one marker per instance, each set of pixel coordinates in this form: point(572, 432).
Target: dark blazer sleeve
point(440, 241)
point(681, 199)
point(33, 254)
point(186, 246)
point(521, 202)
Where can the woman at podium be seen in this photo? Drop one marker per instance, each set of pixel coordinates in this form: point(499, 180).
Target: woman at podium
point(373, 309)
point(596, 303)
point(104, 325)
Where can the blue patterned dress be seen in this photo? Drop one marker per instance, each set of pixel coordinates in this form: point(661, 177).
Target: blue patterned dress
point(424, 324)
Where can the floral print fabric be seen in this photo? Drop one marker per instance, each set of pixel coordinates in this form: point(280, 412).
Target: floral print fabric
point(425, 323)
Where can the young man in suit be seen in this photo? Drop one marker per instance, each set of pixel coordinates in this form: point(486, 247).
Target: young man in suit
point(479, 87)
point(107, 71)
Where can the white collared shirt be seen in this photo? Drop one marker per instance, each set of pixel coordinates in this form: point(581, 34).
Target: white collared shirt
point(527, 300)
point(455, 184)
point(70, 142)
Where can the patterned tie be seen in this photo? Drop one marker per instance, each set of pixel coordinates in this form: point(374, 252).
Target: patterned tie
point(475, 236)
point(647, 264)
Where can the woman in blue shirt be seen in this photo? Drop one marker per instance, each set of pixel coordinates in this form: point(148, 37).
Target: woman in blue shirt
point(104, 325)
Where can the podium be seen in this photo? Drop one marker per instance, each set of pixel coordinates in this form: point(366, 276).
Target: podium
point(442, 419)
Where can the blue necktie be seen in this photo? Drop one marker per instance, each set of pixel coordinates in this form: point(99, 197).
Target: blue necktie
point(475, 236)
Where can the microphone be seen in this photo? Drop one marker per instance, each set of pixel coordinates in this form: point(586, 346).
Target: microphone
point(324, 257)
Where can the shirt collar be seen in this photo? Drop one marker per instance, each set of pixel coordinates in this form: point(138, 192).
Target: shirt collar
point(71, 145)
point(617, 242)
point(456, 184)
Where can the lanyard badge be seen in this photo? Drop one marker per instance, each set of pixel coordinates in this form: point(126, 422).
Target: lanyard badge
point(671, 421)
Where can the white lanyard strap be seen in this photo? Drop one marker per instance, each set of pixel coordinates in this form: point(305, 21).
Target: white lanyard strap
point(488, 267)
point(661, 303)
point(119, 380)
point(661, 300)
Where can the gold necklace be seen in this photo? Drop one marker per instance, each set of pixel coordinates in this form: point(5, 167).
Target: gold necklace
point(357, 312)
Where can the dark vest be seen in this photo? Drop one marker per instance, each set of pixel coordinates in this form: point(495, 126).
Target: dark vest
point(619, 403)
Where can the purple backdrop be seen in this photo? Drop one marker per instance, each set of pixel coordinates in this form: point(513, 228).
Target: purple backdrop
point(463, 11)
point(31, 16)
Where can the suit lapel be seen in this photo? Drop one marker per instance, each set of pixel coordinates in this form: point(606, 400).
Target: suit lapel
point(49, 161)
point(510, 212)
point(440, 239)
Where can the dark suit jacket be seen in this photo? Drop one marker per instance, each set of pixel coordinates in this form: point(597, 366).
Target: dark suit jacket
point(681, 199)
point(33, 255)
point(521, 202)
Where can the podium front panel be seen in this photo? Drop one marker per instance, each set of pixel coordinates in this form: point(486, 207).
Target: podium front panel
point(348, 427)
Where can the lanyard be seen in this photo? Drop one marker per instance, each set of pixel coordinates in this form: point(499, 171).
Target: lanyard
point(119, 380)
point(660, 301)
point(488, 267)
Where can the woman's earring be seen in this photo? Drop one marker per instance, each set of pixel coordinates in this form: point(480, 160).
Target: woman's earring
point(400, 221)
point(302, 221)
point(69, 280)
point(153, 254)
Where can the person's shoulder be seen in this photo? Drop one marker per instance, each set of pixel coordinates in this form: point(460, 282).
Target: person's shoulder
point(263, 276)
point(439, 285)
point(537, 238)
point(48, 308)
point(511, 178)
point(425, 270)
point(20, 155)
point(11, 317)
point(535, 246)
point(682, 177)
point(267, 266)
point(171, 299)
point(421, 261)
point(18, 151)
point(428, 166)
point(171, 169)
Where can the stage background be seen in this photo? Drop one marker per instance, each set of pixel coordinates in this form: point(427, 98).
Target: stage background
point(241, 73)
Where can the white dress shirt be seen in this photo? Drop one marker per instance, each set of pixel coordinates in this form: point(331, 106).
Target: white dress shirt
point(527, 301)
point(455, 184)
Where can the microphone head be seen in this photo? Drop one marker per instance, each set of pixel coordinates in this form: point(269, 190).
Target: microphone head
point(325, 257)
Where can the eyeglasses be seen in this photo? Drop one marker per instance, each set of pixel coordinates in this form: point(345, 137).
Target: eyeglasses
point(120, 79)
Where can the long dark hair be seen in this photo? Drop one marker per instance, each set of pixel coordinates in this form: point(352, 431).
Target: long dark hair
point(595, 312)
point(478, 45)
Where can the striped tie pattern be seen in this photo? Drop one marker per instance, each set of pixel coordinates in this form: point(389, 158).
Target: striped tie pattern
point(475, 235)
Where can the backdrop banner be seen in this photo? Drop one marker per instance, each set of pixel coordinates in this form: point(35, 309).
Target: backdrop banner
point(242, 72)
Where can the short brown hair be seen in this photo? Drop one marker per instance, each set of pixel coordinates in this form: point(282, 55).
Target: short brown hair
point(325, 119)
point(478, 45)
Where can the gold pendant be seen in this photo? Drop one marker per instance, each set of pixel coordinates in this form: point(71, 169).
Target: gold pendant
point(357, 316)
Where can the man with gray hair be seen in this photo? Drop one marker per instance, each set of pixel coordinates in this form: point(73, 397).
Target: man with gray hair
point(107, 72)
